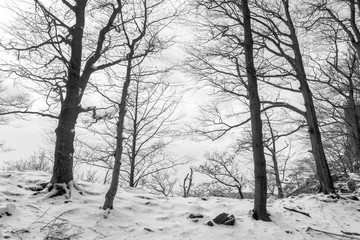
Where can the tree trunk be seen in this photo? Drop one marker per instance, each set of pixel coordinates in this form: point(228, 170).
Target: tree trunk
point(111, 193)
point(314, 131)
point(260, 212)
point(65, 131)
point(239, 188)
point(273, 152)
point(354, 126)
point(133, 153)
point(277, 178)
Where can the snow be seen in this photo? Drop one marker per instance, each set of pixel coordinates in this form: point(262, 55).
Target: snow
point(354, 177)
point(142, 215)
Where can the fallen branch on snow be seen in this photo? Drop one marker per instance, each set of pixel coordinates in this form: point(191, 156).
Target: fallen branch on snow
point(335, 234)
point(298, 211)
point(351, 233)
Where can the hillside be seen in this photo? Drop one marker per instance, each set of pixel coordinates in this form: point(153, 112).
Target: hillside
point(141, 215)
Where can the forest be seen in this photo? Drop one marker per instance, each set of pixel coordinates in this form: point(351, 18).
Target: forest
point(127, 85)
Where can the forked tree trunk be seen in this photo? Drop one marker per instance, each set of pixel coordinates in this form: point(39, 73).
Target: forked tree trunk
point(260, 212)
point(239, 188)
point(312, 122)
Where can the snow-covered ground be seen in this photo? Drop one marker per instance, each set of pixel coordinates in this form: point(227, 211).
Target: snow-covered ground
point(141, 215)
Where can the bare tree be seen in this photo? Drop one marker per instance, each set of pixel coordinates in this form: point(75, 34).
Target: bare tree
point(336, 25)
point(275, 25)
point(224, 169)
point(150, 128)
point(59, 47)
point(187, 183)
point(271, 144)
point(142, 40)
point(220, 62)
point(161, 182)
point(11, 104)
point(260, 212)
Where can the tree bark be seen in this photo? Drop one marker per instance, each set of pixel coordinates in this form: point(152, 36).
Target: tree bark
point(314, 131)
point(65, 131)
point(260, 212)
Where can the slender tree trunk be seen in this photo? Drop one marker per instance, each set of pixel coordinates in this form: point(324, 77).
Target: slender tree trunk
point(65, 131)
point(134, 139)
point(239, 188)
point(277, 178)
point(111, 193)
point(314, 131)
point(273, 152)
point(260, 212)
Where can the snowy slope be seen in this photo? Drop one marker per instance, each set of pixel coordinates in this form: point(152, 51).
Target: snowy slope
point(141, 215)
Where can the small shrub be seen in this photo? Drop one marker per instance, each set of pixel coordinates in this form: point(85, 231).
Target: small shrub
point(39, 161)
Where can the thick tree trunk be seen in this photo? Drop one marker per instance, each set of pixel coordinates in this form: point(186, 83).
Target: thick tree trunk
point(314, 131)
point(111, 193)
point(260, 212)
point(354, 126)
point(65, 131)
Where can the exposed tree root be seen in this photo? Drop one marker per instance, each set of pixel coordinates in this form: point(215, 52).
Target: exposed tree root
point(81, 191)
point(59, 189)
point(106, 213)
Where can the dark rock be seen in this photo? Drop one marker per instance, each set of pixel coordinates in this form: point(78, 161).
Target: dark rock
point(148, 229)
point(196, 215)
point(352, 185)
point(230, 221)
point(210, 223)
point(195, 220)
point(355, 198)
point(43, 185)
point(225, 218)
point(221, 218)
